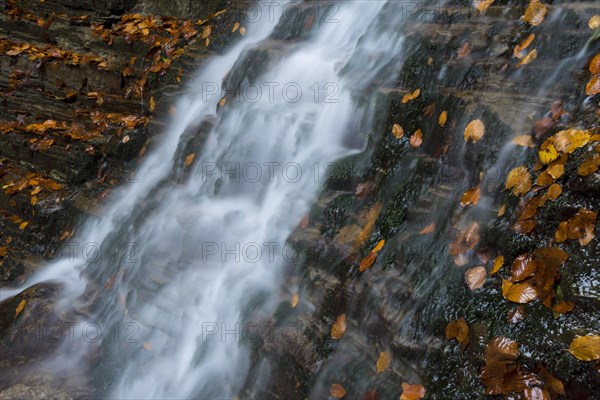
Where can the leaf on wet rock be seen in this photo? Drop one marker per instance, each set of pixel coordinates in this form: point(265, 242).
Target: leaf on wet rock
point(521, 293)
point(586, 348)
point(243, 31)
point(523, 267)
point(428, 229)
point(580, 227)
point(474, 131)
point(519, 181)
point(443, 118)
point(236, 26)
point(589, 166)
point(378, 246)
point(411, 96)
point(502, 210)
point(594, 22)
point(532, 55)
point(458, 330)
point(20, 307)
point(570, 140)
point(592, 88)
point(206, 32)
point(367, 262)
point(563, 307)
point(518, 51)
point(384, 361)
point(535, 13)
point(516, 315)
point(594, 67)
point(338, 329)
point(337, 391)
point(498, 263)
point(412, 392)
point(536, 393)
point(152, 104)
point(416, 139)
point(523, 140)
point(482, 5)
point(463, 51)
point(547, 153)
point(397, 131)
point(554, 192)
point(552, 383)
point(475, 277)
point(294, 301)
point(471, 197)
point(189, 159)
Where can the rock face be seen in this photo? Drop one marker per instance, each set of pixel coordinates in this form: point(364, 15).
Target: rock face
point(80, 102)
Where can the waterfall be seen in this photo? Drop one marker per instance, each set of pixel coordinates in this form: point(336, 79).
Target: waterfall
point(198, 243)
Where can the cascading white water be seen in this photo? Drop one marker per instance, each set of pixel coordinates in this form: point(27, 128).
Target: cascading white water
point(217, 242)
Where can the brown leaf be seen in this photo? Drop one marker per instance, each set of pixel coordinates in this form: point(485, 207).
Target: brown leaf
point(471, 197)
point(563, 307)
point(502, 210)
point(523, 267)
point(536, 393)
point(463, 51)
point(475, 277)
point(474, 131)
point(595, 63)
point(189, 159)
point(384, 361)
point(411, 96)
point(516, 315)
point(416, 139)
point(586, 348)
point(581, 226)
point(535, 13)
point(338, 329)
point(336, 390)
point(412, 392)
point(519, 181)
point(397, 131)
point(428, 229)
point(458, 330)
point(519, 292)
point(551, 381)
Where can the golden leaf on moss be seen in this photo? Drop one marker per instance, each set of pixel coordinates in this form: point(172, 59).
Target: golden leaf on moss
point(378, 247)
point(498, 263)
point(474, 131)
point(547, 153)
point(367, 262)
point(535, 13)
point(519, 181)
point(397, 131)
point(384, 361)
point(589, 166)
point(482, 5)
point(586, 348)
point(544, 179)
point(412, 392)
point(338, 329)
point(416, 139)
point(556, 170)
point(554, 191)
point(336, 390)
point(521, 293)
point(20, 307)
point(411, 96)
point(523, 140)
point(471, 197)
point(458, 330)
point(518, 51)
point(443, 118)
point(475, 277)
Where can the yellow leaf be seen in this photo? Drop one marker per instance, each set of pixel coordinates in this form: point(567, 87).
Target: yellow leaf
point(518, 292)
point(498, 263)
point(570, 140)
point(518, 52)
point(336, 390)
point(586, 348)
point(20, 307)
point(384, 361)
point(397, 131)
point(411, 96)
point(482, 5)
point(523, 140)
point(547, 154)
point(593, 86)
point(554, 191)
point(532, 55)
point(413, 392)
point(236, 26)
point(502, 210)
point(378, 247)
point(339, 327)
point(535, 13)
point(474, 131)
point(152, 104)
point(416, 139)
point(23, 225)
point(33, 200)
point(590, 166)
point(206, 32)
point(443, 118)
point(594, 22)
point(519, 181)
point(36, 190)
point(471, 197)
point(556, 170)
point(294, 300)
point(189, 159)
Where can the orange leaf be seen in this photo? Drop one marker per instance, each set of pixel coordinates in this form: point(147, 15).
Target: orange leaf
point(471, 197)
point(189, 159)
point(412, 392)
point(443, 118)
point(416, 139)
point(337, 391)
point(294, 300)
point(384, 361)
point(458, 330)
point(428, 229)
point(411, 96)
point(339, 327)
point(535, 13)
point(367, 262)
point(397, 131)
point(20, 307)
point(474, 131)
point(518, 292)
